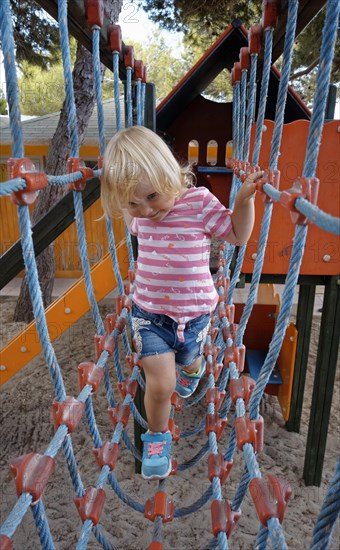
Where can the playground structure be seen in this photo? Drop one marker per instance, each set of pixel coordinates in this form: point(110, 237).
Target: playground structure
point(233, 357)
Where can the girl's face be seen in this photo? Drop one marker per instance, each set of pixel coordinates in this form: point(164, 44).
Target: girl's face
point(148, 203)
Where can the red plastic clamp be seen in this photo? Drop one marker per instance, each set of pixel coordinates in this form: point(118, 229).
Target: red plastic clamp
point(5, 543)
point(139, 65)
point(91, 504)
point(174, 429)
point(32, 473)
point(94, 13)
point(144, 74)
point(106, 342)
point(223, 518)
point(132, 360)
point(214, 368)
point(155, 545)
point(159, 505)
point(215, 396)
point(129, 59)
point(270, 13)
point(270, 497)
point(213, 331)
point(227, 311)
point(128, 386)
point(236, 73)
point(107, 455)
point(68, 412)
point(218, 467)
point(89, 373)
point(237, 355)
point(122, 302)
point(75, 164)
point(229, 332)
point(35, 181)
point(213, 423)
point(120, 413)
point(244, 58)
point(241, 388)
point(176, 402)
point(249, 431)
point(269, 176)
point(223, 293)
point(114, 33)
point(110, 321)
point(307, 188)
point(255, 39)
point(211, 349)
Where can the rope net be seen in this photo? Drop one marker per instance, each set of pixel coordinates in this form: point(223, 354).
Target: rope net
point(227, 391)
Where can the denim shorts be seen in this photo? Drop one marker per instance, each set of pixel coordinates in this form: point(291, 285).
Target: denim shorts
point(155, 333)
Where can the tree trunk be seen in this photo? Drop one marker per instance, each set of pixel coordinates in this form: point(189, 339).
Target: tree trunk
point(58, 154)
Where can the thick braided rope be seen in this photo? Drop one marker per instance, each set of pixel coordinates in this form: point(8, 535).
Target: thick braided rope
point(98, 88)
point(45, 536)
point(330, 510)
point(8, 187)
point(143, 103)
point(139, 102)
point(243, 100)
point(128, 87)
point(251, 104)
point(116, 90)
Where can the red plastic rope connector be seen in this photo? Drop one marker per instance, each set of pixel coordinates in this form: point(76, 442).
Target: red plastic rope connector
point(155, 545)
point(132, 360)
point(215, 396)
point(5, 543)
point(144, 74)
point(213, 423)
point(128, 55)
point(244, 58)
point(128, 386)
point(307, 188)
point(237, 355)
point(241, 388)
point(270, 497)
point(270, 13)
point(249, 431)
point(91, 504)
point(218, 467)
point(106, 342)
point(174, 429)
point(269, 176)
point(120, 413)
point(94, 13)
point(32, 473)
point(255, 39)
point(229, 332)
point(35, 181)
point(107, 455)
point(214, 368)
point(110, 321)
point(114, 33)
point(236, 73)
point(89, 373)
point(68, 412)
point(176, 402)
point(139, 65)
point(75, 164)
point(223, 518)
point(122, 302)
point(159, 505)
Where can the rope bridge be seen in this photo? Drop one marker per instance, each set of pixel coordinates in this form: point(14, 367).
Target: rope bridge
point(227, 390)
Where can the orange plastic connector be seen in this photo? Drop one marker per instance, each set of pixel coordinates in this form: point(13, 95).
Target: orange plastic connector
point(214, 368)
point(218, 467)
point(236, 73)
point(91, 504)
point(269, 176)
point(241, 388)
point(129, 59)
point(35, 181)
point(5, 543)
point(159, 505)
point(122, 302)
point(106, 342)
point(75, 164)
point(213, 423)
point(249, 431)
point(107, 455)
point(89, 373)
point(32, 473)
point(237, 355)
point(270, 497)
point(176, 402)
point(68, 412)
point(132, 360)
point(270, 13)
point(94, 13)
point(120, 413)
point(139, 69)
point(307, 188)
point(244, 58)
point(174, 429)
point(155, 545)
point(144, 74)
point(223, 518)
point(110, 321)
point(114, 33)
point(229, 332)
point(215, 396)
point(128, 386)
point(255, 39)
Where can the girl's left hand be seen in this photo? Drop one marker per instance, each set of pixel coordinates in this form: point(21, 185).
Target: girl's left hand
point(248, 188)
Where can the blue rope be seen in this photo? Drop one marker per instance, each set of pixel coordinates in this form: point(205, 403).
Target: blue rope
point(116, 91)
point(251, 104)
point(243, 91)
point(139, 102)
point(128, 88)
point(39, 514)
point(143, 103)
point(261, 538)
point(12, 88)
point(8, 187)
point(98, 88)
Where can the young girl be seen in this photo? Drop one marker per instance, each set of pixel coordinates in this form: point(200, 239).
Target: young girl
point(174, 293)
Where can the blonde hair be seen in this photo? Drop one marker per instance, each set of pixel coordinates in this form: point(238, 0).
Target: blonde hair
point(135, 154)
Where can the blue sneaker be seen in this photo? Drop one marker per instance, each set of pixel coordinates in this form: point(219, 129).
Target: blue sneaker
point(186, 383)
point(156, 461)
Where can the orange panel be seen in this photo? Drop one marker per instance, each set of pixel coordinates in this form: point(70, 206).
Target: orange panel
point(286, 364)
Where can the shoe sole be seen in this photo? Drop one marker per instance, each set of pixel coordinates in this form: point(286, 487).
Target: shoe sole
point(163, 476)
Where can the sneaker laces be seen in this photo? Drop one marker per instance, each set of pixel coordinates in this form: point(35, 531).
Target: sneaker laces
point(155, 448)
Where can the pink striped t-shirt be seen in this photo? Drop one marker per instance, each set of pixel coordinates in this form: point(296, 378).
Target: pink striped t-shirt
point(173, 276)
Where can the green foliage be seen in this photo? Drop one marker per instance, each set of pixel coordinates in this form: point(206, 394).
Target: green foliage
point(3, 104)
